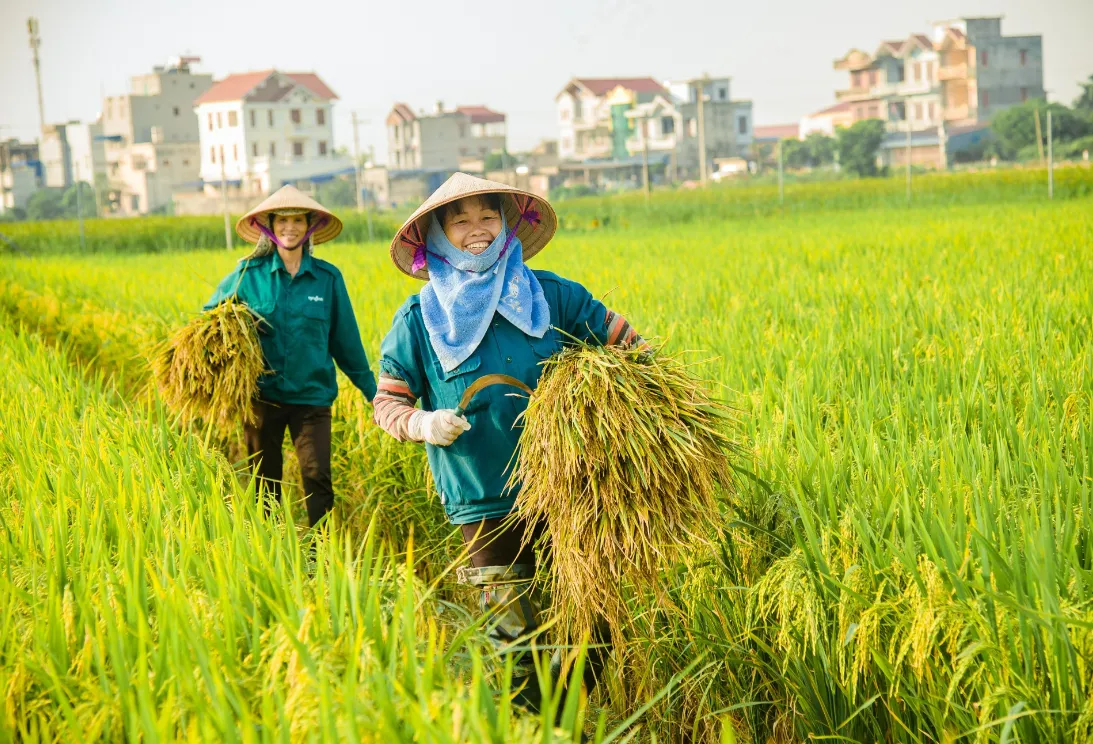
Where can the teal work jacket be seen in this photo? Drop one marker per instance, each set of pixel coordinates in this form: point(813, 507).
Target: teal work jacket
point(308, 326)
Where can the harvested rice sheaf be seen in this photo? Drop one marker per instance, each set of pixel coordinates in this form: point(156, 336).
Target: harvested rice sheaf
point(208, 370)
point(622, 458)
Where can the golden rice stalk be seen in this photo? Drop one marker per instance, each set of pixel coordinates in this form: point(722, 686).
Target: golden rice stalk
point(209, 368)
point(621, 459)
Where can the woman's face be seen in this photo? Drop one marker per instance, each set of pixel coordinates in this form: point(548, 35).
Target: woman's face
point(289, 229)
point(471, 225)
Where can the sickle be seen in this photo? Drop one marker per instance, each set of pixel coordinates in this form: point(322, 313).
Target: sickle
point(484, 382)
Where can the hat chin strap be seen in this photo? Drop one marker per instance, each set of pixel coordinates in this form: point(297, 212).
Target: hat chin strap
point(321, 222)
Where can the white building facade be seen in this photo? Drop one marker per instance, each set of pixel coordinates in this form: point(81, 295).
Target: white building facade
point(151, 137)
point(259, 131)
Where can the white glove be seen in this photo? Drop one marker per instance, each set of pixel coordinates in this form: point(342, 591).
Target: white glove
point(438, 428)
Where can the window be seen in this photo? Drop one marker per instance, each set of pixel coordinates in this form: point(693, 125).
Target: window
point(565, 143)
point(463, 130)
point(565, 115)
point(233, 119)
point(742, 124)
point(577, 108)
point(692, 127)
point(176, 111)
point(930, 71)
point(298, 149)
point(320, 117)
point(222, 158)
point(185, 163)
point(295, 114)
point(212, 154)
point(1024, 57)
point(210, 121)
point(723, 94)
point(667, 125)
point(191, 86)
point(933, 111)
point(322, 147)
point(254, 147)
point(986, 99)
point(134, 202)
point(983, 58)
point(1024, 94)
point(269, 117)
point(252, 118)
point(166, 163)
point(235, 153)
point(219, 121)
point(918, 110)
point(874, 111)
point(918, 72)
point(273, 149)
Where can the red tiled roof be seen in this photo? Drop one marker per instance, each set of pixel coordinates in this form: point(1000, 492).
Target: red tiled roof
point(923, 40)
point(481, 114)
point(837, 108)
point(894, 46)
point(777, 131)
point(603, 86)
point(235, 87)
point(400, 112)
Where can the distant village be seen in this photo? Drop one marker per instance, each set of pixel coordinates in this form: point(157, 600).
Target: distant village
point(180, 142)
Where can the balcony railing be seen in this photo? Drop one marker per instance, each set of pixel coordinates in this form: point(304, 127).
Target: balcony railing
point(953, 72)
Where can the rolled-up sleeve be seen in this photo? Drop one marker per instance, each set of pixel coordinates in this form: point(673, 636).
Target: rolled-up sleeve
point(345, 342)
point(401, 381)
point(589, 320)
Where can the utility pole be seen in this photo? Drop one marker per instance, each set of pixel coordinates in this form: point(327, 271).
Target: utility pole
point(1050, 161)
point(781, 180)
point(642, 122)
point(702, 82)
point(79, 208)
point(357, 171)
point(907, 151)
point(1039, 134)
point(224, 199)
point(943, 154)
point(35, 43)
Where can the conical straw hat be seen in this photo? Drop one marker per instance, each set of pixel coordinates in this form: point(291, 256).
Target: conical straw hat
point(534, 230)
point(288, 199)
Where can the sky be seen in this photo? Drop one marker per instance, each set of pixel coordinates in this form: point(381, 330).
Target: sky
point(510, 56)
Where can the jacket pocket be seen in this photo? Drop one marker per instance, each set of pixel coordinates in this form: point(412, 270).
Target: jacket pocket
point(449, 386)
point(264, 311)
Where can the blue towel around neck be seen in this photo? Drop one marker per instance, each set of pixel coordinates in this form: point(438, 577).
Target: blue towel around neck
point(464, 291)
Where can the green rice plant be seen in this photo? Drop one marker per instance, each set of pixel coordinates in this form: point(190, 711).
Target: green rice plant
point(208, 370)
point(622, 457)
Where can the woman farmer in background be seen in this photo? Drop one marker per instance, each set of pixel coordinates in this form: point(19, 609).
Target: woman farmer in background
point(308, 324)
point(481, 312)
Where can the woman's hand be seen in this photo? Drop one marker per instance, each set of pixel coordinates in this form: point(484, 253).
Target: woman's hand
point(438, 428)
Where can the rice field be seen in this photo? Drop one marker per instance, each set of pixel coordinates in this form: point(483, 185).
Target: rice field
point(908, 555)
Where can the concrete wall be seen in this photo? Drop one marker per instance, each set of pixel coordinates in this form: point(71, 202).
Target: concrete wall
point(1004, 81)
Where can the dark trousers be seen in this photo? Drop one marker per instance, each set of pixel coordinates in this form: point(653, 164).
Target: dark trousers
point(310, 430)
point(496, 548)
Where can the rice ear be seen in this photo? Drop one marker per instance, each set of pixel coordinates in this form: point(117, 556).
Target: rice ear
point(622, 459)
point(208, 370)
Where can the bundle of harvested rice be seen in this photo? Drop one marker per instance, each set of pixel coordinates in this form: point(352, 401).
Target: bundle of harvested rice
point(209, 368)
point(621, 459)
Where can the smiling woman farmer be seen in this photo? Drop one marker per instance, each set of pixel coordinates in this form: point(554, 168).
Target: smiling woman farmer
point(482, 312)
point(308, 325)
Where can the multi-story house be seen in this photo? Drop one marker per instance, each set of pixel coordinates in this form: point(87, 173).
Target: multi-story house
point(20, 173)
point(639, 114)
point(962, 75)
point(261, 130)
point(586, 113)
point(445, 139)
point(152, 136)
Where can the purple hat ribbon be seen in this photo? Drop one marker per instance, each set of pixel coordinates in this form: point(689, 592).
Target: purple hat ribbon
point(411, 236)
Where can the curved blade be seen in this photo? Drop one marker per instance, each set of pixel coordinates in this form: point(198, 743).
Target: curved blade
point(484, 382)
